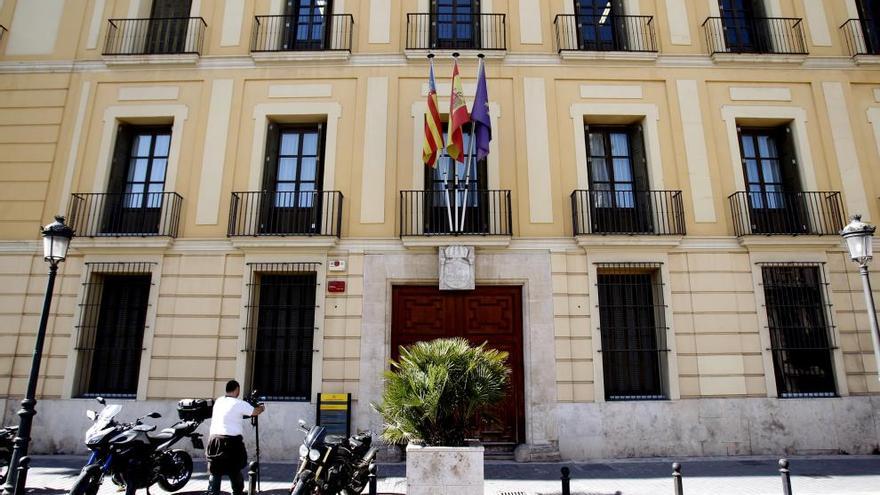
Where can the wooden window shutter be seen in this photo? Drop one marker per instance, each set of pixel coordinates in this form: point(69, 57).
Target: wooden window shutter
point(788, 162)
point(639, 158)
point(270, 163)
point(121, 154)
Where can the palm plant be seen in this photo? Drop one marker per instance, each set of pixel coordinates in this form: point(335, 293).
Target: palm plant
point(436, 390)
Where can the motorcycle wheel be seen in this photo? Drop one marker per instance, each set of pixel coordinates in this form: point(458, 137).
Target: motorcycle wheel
point(302, 488)
point(87, 483)
point(177, 469)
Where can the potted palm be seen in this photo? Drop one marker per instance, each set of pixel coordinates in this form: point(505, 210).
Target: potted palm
point(433, 397)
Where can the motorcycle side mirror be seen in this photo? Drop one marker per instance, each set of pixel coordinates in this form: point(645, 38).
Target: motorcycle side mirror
point(91, 415)
point(101, 400)
point(154, 415)
point(302, 423)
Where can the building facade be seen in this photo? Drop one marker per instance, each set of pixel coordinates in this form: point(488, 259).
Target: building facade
point(654, 232)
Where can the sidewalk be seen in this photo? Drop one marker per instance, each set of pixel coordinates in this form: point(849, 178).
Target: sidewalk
point(815, 475)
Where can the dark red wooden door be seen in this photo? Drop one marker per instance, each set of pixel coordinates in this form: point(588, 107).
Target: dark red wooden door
point(490, 314)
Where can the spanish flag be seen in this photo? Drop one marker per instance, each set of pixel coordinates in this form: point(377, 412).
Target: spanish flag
point(458, 117)
point(433, 142)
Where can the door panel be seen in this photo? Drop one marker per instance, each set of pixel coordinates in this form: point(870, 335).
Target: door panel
point(490, 314)
point(169, 20)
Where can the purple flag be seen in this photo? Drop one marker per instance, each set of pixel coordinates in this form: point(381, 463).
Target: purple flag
point(480, 116)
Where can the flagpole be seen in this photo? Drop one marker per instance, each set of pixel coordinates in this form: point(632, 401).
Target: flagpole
point(470, 155)
point(445, 174)
point(454, 227)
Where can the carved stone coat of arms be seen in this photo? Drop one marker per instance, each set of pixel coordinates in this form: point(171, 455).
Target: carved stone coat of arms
point(457, 268)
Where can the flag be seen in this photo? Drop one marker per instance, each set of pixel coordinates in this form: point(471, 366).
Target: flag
point(458, 117)
point(480, 116)
point(433, 142)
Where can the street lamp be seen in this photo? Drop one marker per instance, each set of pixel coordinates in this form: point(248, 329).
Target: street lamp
point(859, 239)
point(56, 240)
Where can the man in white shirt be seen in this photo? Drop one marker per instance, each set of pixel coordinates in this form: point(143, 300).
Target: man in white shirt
point(226, 452)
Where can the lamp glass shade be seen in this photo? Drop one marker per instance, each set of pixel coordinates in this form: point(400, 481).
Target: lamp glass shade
point(860, 247)
point(55, 247)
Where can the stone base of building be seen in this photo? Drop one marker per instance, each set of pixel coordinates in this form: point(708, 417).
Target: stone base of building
point(719, 427)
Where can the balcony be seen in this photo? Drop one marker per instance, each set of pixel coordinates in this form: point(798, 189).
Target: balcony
point(779, 36)
point(296, 213)
point(629, 35)
point(627, 212)
point(862, 37)
point(787, 213)
point(2, 32)
point(125, 214)
point(434, 213)
point(433, 32)
point(283, 37)
point(155, 39)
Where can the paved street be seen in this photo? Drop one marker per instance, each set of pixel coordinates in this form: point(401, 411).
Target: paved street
point(831, 475)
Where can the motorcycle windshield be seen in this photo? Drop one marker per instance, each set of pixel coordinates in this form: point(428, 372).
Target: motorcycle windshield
point(316, 436)
point(103, 420)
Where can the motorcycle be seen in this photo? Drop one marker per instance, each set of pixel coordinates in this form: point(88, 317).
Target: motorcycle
point(7, 435)
point(332, 464)
point(136, 458)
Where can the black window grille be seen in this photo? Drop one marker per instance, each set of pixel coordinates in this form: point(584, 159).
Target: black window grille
point(281, 328)
point(801, 332)
point(632, 325)
point(110, 334)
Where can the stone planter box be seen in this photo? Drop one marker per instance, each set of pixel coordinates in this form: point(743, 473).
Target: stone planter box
point(444, 470)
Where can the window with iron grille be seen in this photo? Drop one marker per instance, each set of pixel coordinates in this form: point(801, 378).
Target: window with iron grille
point(110, 338)
point(632, 325)
point(800, 330)
point(281, 328)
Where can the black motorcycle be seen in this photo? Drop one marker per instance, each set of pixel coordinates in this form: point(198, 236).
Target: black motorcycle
point(133, 456)
point(332, 464)
point(7, 435)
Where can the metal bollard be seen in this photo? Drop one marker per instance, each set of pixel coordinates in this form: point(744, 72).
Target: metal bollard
point(372, 478)
point(676, 479)
point(786, 476)
point(23, 465)
point(253, 470)
point(566, 481)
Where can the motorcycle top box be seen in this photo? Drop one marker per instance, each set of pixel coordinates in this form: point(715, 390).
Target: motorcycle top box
point(195, 409)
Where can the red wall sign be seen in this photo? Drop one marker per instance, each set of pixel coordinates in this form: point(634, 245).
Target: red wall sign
point(336, 286)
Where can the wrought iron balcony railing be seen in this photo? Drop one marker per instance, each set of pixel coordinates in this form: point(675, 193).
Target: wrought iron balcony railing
point(2, 32)
point(125, 214)
point(160, 36)
point(862, 36)
point(605, 33)
point(777, 35)
point(791, 213)
point(426, 213)
point(456, 32)
point(281, 33)
point(627, 212)
point(294, 213)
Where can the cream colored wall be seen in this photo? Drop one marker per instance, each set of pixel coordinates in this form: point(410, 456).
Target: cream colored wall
point(53, 137)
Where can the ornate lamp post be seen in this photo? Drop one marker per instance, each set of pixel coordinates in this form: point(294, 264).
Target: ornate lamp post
point(859, 239)
point(56, 240)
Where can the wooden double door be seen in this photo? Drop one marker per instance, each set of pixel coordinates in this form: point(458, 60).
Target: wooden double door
point(491, 314)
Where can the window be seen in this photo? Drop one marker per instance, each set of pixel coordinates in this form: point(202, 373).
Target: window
point(455, 24)
point(601, 26)
point(292, 179)
point(800, 332)
point(869, 19)
point(111, 330)
point(307, 24)
point(281, 329)
point(137, 180)
point(453, 175)
point(618, 176)
point(772, 181)
point(745, 26)
point(631, 322)
point(166, 32)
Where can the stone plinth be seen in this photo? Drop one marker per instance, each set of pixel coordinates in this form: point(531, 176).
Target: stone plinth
point(444, 470)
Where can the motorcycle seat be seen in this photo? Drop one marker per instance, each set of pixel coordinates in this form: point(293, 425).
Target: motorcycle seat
point(334, 439)
point(162, 436)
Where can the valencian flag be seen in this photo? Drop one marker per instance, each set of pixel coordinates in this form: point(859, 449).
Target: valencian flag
point(458, 117)
point(480, 116)
point(433, 142)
